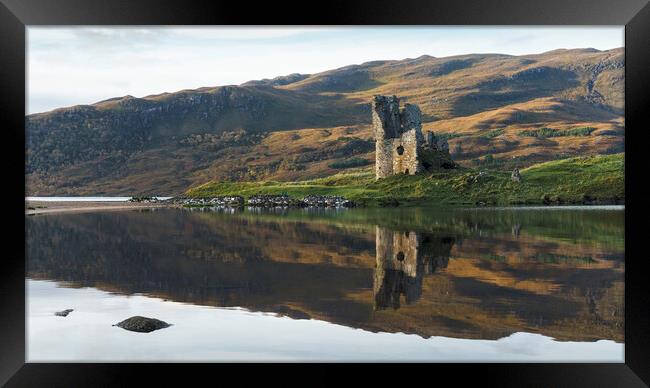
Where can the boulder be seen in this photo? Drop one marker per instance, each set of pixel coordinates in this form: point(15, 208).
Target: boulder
point(142, 324)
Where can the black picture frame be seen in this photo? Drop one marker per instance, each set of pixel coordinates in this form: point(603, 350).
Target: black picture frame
point(15, 15)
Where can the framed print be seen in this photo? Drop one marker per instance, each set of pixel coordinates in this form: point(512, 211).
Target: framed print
point(456, 185)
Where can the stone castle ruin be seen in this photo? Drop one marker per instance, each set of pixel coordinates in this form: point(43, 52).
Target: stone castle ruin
point(400, 145)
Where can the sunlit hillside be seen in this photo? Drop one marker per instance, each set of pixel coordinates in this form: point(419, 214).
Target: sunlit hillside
point(497, 112)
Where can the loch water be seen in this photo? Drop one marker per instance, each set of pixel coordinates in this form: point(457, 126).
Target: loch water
point(404, 284)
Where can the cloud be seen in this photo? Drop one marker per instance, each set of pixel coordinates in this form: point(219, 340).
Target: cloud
point(82, 65)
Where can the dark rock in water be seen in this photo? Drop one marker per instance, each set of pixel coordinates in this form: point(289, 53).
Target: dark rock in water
point(142, 324)
point(63, 313)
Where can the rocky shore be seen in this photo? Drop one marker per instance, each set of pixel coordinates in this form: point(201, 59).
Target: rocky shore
point(264, 201)
point(220, 201)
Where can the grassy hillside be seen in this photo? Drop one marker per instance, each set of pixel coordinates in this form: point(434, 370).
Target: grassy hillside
point(592, 179)
point(302, 127)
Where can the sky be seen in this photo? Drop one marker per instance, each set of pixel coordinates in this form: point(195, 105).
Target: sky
point(83, 65)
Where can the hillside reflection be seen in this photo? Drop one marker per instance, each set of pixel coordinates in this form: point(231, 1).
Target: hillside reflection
point(459, 274)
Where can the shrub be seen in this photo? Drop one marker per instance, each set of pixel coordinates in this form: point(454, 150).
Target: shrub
point(493, 133)
point(545, 132)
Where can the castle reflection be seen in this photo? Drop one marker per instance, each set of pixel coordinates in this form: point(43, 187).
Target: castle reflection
point(403, 258)
point(462, 274)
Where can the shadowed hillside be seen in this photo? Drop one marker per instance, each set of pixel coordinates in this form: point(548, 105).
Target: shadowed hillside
point(497, 111)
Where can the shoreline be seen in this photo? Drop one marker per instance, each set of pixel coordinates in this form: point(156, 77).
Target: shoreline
point(48, 207)
point(54, 207)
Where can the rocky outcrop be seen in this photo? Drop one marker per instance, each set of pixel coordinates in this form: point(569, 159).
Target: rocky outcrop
point(278, 81)
point(142, 324)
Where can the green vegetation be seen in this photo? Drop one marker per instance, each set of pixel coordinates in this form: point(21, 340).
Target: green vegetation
point(493, 133)
point(591, 179)
point(545, 132)
point(348, 163)
point(551, 258)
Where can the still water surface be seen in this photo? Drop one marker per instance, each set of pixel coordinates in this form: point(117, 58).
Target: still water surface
point(358, 284)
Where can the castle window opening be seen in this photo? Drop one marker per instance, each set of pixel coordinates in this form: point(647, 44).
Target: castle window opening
point(406, 172)
point(400, 150)
point(400, 256)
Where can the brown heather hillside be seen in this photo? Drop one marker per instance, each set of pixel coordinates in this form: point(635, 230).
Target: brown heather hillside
point(498, 111)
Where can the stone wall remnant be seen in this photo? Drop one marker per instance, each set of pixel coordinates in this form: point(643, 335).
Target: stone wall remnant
point(515, 176)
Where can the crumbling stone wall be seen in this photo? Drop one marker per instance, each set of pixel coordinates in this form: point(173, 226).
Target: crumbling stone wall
point(408, 161)
point(400, 146)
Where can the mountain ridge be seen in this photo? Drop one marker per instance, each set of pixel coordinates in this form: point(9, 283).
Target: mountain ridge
point(101, 148)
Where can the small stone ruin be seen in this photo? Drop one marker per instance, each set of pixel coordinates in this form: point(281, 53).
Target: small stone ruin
point(400, 146)
point(515, 176)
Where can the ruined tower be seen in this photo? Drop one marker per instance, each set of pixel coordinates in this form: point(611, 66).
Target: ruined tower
point(398, 135)
point(400, 145)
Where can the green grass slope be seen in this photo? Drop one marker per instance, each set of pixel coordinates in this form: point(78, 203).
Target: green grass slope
point(592, 179)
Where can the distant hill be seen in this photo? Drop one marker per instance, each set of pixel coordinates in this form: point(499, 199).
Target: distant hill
point(497, 111)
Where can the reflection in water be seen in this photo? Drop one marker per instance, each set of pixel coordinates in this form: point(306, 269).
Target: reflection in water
point(214, 334)
point(516, 229)
point(461, 273)
point(403, 258)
